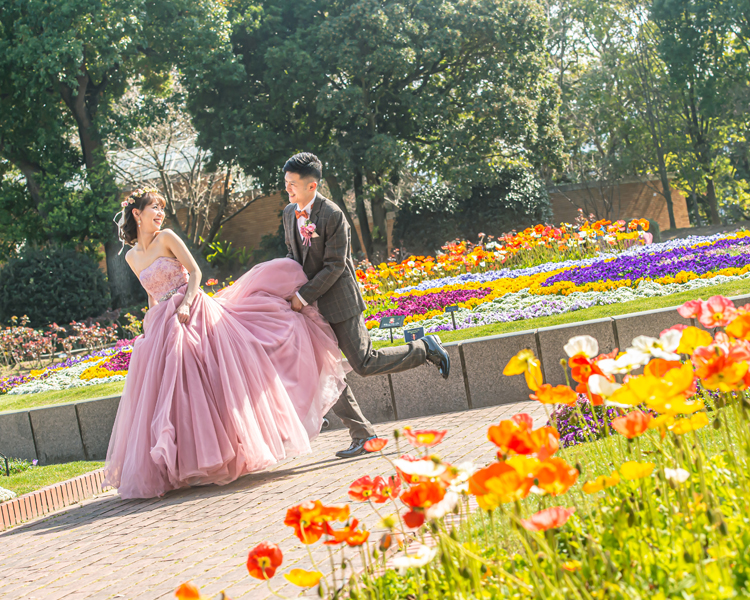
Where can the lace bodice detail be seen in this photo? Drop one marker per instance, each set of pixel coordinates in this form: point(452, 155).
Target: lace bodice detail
point(164, 277)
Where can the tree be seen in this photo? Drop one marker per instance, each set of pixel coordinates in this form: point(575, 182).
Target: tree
point(201, 196)
point(707, 61)
point(68, 62)
point(453, 88)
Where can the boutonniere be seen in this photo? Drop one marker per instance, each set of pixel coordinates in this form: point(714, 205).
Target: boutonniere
point(308, 232)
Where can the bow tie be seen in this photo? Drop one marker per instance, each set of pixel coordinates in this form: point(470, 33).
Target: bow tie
point(301, 213)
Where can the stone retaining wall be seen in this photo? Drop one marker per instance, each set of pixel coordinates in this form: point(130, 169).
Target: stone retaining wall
point(81, 430)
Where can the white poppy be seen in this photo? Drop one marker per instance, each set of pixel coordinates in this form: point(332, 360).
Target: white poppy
point(420, 468)
point(663, 347)
point(601, 386)
point(582, 344)
point(420, 558)
point(625, 363)
point(676, 475)
point(442, 508)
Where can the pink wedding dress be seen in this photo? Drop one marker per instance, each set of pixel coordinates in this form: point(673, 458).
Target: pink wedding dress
point(242, 385)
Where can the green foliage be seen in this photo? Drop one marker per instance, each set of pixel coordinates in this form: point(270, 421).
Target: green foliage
point(15, 466)
point(52, 286)
point(436, 213)
point(272, 245)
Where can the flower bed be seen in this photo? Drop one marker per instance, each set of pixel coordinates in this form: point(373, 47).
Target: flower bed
point(552, 288)
point(655, 510)
point(103, 366)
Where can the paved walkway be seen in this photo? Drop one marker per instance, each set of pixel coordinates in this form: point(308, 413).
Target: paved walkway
point(143, 549)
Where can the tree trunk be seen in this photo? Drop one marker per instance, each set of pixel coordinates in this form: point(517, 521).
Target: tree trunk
point(666, 190)
point(378, 218)
point(124, 287)
point(712, 203)
point(697, 221)
point(337, 195)
point(364, 224)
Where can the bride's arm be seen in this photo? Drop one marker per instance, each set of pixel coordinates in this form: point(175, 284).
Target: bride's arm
point(179, 249)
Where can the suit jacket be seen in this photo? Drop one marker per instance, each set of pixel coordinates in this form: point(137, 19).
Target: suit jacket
point(327, 262)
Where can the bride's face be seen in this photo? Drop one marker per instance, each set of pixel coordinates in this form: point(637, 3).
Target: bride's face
point(150, 216)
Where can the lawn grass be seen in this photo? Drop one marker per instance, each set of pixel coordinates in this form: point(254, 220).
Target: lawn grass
point(25, 401)
point(734, 288)
point(38, 477)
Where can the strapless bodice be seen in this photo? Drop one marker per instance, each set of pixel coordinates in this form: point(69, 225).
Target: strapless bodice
point(164, 277)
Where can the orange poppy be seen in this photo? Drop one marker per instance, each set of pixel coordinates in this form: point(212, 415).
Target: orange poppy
point(559, 394)
point(657, 367)
point(423, 495)
point(424, 438)
point(555, 476)
point(740, 327)
point(549, 518)
point(187, 591)
point(375, 445)
point(722, 367)
point(263, 560)
point(633, 424)
point(338, 536)
point(500, 483)
point(308, 519)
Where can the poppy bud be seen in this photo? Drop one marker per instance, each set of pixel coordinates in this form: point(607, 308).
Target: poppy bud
point(483, 568)
point(579, 468)
point(464, 572)
point(453, 534)
point(396, 434)
point(717, 423)
point(687, 557)
point(320, 590)
point(723, 528)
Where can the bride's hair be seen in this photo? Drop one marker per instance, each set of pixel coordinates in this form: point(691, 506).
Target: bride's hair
point(138, 199)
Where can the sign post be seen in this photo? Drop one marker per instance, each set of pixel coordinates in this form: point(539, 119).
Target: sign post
point(391, 323)
point(452, 310)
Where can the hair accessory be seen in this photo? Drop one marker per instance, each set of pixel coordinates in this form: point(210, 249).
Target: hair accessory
point(138, 194)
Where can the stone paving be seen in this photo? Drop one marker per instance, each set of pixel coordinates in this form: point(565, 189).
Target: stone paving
point(144, 549)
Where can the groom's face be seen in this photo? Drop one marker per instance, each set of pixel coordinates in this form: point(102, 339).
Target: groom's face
point(300, 189)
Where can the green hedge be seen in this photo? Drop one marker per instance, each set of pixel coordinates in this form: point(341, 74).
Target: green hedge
point(436, 213)
point(52, 286)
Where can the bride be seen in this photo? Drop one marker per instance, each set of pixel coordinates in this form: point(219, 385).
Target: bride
point(217, 386)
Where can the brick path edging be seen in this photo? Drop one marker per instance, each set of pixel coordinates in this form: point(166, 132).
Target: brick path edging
point(51, 498)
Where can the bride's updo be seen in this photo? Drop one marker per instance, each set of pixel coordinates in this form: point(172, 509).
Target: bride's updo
point(138, 199)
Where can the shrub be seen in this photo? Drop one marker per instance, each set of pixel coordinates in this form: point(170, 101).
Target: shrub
point(49, 286)
point(436, 213)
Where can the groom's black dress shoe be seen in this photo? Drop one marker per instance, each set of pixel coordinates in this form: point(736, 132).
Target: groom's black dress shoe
point(436, 354)
point(357, 447)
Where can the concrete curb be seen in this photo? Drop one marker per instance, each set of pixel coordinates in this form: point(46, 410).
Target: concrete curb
point(81, 430)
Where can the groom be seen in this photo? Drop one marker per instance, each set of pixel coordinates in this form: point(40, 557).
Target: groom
point(318, 237)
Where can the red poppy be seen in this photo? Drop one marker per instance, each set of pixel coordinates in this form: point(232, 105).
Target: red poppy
point(413, 518)
point(385, 489)
point(263, 560)
point(548, 519)
point(363, 488)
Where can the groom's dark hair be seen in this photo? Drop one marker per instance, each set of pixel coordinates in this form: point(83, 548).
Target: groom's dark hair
point(305, 164)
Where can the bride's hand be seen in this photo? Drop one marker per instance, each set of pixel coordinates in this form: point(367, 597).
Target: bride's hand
point(183, 312)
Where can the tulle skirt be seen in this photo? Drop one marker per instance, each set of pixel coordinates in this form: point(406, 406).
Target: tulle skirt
point(242, 385)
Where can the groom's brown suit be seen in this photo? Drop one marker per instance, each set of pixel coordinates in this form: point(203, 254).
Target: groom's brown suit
point(332, 283)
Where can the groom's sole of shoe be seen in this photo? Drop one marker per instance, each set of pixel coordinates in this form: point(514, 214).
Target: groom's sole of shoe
point(436, 350)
